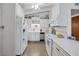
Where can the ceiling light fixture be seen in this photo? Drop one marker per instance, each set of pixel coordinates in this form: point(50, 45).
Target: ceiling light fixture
point(35, 6)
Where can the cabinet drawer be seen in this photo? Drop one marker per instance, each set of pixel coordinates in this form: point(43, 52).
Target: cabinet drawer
point(62, 51)
point(58, 51)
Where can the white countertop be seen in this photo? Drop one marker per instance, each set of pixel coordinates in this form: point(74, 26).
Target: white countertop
point(70, 46)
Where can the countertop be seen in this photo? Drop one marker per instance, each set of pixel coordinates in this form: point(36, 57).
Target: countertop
point(70, 46)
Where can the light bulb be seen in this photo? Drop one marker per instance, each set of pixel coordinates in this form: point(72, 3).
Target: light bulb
point(32, 6)
point(36, 6)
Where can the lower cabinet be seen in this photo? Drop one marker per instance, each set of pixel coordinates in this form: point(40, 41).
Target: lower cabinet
point(34, 36)
point(58, 51)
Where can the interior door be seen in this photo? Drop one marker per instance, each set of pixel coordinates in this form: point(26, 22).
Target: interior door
point(75, 27)
point(0, 29)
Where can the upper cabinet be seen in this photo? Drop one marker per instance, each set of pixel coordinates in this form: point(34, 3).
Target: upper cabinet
point(54, 13)
point(58, 15)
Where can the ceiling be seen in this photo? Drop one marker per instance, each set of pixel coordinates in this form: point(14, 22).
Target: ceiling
point(27, 7)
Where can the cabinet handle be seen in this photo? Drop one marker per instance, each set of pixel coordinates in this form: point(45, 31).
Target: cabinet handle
point(57, 49)
point(2, 27)
point(23, 39)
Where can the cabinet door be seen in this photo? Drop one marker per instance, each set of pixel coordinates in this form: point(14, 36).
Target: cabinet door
point(54, 51)
point(58, 51)
point(37, 36)
point(62, 52)
point(33, 38)
point(1, 29)
point(55, 11)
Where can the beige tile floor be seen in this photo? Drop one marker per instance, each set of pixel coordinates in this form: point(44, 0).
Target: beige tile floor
point(35, 49)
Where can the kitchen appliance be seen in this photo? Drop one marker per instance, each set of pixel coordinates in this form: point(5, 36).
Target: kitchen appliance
point(42, 35)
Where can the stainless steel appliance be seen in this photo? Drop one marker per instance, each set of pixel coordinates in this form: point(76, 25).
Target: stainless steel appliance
point(42, 36)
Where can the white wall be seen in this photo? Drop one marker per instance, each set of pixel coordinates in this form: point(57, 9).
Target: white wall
point(44, 23)
point(9, 30)
point(19, 11)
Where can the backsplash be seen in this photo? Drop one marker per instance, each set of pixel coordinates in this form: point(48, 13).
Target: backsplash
point(60, 32)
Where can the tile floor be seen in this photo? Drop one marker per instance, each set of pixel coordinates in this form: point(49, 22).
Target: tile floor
point(35, 49)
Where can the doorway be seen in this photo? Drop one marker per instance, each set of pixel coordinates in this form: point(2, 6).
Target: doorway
point(75, 27)
point(75, 23)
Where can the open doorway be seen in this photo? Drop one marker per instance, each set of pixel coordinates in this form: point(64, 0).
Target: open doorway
point(32, 25)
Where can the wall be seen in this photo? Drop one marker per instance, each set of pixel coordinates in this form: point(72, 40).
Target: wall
point(9, 30)
point(74, 12)
point(44, 23)
point(19, 11)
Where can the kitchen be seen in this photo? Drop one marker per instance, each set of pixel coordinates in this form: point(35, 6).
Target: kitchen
point(49, 23)
point(57, 28)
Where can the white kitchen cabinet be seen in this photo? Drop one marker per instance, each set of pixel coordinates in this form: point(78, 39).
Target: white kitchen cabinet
point(48, 42)
point(44, 24)
point(58, 51)
point(54, 22)
point(37, 36)
point(63, 17)
point(54, 13)
point(34, 36)
point(59, 16)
